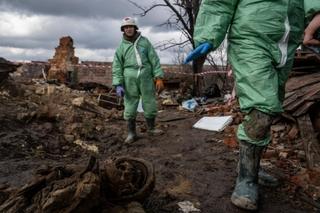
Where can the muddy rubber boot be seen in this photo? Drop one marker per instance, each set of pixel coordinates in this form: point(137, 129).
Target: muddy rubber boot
point(151, 127)
point(245, 194)
point(264, 178)
point(132, 135)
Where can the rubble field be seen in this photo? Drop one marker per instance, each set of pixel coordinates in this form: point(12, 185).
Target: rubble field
point(55, 143)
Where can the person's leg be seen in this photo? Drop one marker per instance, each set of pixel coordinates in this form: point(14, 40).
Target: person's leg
point(149, 104)
point(245, 194)
point(132, 134)
point(257, 89)
point(152, 130)
point(253, 136)
point(255, 127)
point(131, 101)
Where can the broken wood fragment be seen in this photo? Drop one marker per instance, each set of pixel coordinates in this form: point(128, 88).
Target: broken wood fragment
point(78, 189)
point(310, 141)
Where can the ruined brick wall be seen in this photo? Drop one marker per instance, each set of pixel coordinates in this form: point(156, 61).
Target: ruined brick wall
point(98, 72)
point(101, 73)
point(94, 74)
point(33, 69)
point(63, 60)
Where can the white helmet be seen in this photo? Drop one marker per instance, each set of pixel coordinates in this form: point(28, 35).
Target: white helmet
point(128, 21)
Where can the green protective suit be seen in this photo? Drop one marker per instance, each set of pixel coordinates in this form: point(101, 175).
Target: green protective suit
point(262, 38)
point(135, 66)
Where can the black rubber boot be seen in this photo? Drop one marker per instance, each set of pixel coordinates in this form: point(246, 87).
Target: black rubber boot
point(132, 135)
point(264, 178)
point(245, 194)
point(151, 127)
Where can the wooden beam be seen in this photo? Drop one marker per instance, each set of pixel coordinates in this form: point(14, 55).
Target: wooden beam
point(310, 141)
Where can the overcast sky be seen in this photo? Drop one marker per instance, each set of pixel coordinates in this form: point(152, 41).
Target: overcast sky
point(30, 29)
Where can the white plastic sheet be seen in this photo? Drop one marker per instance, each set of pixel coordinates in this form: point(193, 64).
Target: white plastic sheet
point(213, 123)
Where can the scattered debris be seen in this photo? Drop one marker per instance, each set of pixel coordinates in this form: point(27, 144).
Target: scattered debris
point(76, 189)
point(213, 123)
point(91, 148)
point(49, 122)
point(301, 93)
point(190, 104)
point(6, 67)
point(231, 142)
point(187, 206)
point(302, 101)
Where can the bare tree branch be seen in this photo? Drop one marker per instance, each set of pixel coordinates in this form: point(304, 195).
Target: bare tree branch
point(180, 18)
point(167, 44)
point(183, 17)
point(180, 15)
point(146, 10)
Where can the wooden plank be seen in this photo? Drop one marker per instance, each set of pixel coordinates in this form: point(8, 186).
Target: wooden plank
point(300, 97)
point(302, 81)
point(310, 141)
point(302, 91)
point(291, 99)
point(289, 94)
point(303, 109)
point(304, 68)
point(300, 101)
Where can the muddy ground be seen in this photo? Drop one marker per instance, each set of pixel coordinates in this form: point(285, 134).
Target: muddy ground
point(38, 129)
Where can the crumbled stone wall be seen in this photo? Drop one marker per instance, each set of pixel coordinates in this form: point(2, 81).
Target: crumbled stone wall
point(63, 60)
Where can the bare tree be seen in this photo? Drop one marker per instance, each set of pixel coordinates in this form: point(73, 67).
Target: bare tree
point(183, 15)
point(218, 58)
point(218, 61)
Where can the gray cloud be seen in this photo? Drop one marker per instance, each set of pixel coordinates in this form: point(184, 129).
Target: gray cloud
point(78, 8)
point(94, 26)
point(114, 9)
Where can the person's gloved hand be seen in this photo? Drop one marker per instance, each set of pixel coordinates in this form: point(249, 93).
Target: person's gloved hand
point(309, 34)
point(201, 50)
point(120, 91)
point(159, 85)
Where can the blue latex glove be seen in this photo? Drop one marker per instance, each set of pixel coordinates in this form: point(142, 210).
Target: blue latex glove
point(120, 91)
point(201, 50)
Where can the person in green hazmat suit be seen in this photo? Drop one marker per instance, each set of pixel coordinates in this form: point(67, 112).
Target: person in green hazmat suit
point(136, 73)
point(262, 38)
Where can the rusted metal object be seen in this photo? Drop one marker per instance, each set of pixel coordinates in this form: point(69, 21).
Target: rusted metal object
point(128, 179)
point(110, 101)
